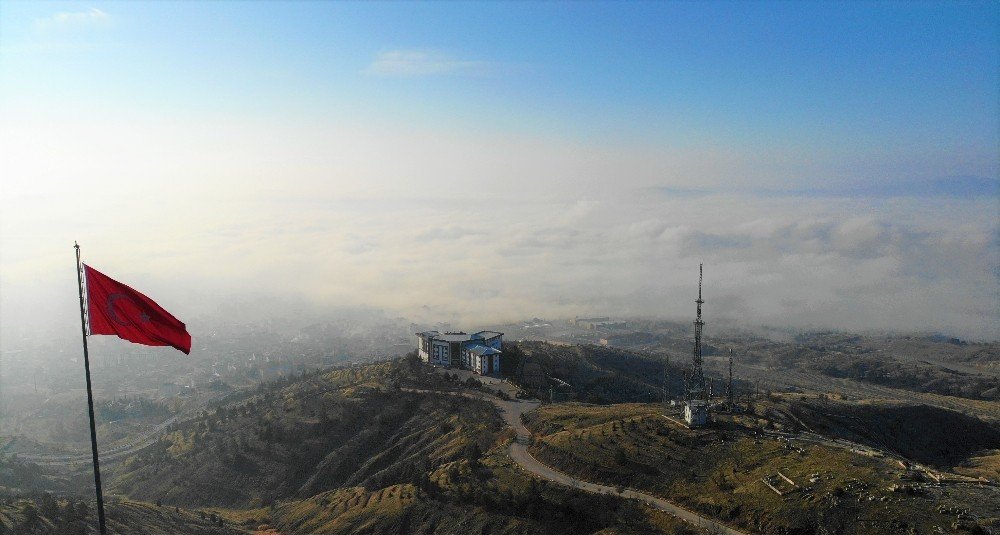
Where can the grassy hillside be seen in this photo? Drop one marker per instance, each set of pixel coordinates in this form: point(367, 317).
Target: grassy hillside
point(324, 431)
point(595, 374)
point(930, 435)
point(486, 495)
point(718, 471)
point(19, 476)
point(44, 515)
point(345, 451)
point(916, 365)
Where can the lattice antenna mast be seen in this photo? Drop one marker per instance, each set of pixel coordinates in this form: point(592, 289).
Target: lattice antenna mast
point(729, 385)
point(697, 388)
point(666, 381)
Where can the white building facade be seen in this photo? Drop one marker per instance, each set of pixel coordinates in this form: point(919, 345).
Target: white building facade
point(479, 352)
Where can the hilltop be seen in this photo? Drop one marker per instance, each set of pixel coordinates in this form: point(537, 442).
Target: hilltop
point(720, 471)
point(398, 447)
point(355, 451)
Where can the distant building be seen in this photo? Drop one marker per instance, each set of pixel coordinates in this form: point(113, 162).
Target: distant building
point(629, 339)
point(598, 324)
point(479, 352)
point(585, 321)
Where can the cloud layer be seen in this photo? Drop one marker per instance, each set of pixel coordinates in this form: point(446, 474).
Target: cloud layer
point(472, 229)
point(405, 63)
point(788, 262)
point(74, 20)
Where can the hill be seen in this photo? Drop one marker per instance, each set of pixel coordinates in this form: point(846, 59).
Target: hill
point(721, 471)
point(930, 435)
point(325, 430)
point(45, 515)
point(350, 451)
point(592, 373)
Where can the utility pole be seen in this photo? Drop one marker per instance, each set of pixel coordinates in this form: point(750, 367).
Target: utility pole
point(729, 385)
point(666, 382)
point(687, 384)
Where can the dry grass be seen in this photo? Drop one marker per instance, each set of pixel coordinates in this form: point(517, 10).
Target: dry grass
point(718, 471)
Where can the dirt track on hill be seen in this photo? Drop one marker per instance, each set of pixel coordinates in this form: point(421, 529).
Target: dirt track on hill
point(511, 412)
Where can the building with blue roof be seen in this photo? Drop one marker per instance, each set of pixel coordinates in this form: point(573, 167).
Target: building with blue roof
point(479, 352)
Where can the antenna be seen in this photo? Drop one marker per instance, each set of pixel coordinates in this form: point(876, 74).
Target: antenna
point(700, 274)
point(697, 386)
point(729, 386)
point(697, 399)
point(666, 382)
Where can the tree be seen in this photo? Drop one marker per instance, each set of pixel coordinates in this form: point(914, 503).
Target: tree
point(47, 506)
point(30, 514)
point(473, 454)
point(81, 510)
point(511, 359)
point(620, 458)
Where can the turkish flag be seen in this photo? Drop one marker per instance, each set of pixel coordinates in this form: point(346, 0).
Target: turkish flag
point(118, 309)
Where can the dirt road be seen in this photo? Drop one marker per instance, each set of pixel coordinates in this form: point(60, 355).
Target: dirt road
point(511, 412)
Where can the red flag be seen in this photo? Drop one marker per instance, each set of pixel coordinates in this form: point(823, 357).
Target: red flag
point(115, 308)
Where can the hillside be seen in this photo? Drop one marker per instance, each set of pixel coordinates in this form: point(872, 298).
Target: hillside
point(930, 435)
point(719, 470)
point(346, 451)
point(394, 447)
point(45, 515)
point(593, 373)
point(505, 503)
point(327, 430)
point(598, 374)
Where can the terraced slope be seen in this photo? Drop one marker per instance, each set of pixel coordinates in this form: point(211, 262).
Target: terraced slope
point(352, 451)
point(719, 472)
point(339, 429)
point(124, 517)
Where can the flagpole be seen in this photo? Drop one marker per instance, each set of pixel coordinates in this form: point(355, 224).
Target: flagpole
point(90, 395)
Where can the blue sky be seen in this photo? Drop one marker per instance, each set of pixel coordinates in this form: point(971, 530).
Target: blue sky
point(842, 155)
point(841, 77)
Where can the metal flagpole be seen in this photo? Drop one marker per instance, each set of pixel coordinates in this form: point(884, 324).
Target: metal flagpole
point(90, 396)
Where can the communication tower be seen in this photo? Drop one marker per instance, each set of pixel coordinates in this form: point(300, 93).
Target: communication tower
point(696, 402)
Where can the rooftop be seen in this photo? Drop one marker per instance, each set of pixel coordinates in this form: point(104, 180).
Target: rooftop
point(483, 350)
point(488, 334)
point(453, 337)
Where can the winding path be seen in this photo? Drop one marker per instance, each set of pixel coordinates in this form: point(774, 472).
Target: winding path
point(511, 411)
point(120, 449)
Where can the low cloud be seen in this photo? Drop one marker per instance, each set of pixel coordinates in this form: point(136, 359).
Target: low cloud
point(473, 230)
point(797, 262)
point(71, 20)
point(407, 63)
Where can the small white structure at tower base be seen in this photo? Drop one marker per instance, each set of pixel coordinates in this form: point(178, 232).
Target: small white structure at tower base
point(696, 413)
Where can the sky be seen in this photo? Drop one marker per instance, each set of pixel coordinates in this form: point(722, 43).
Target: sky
point(833, 165)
